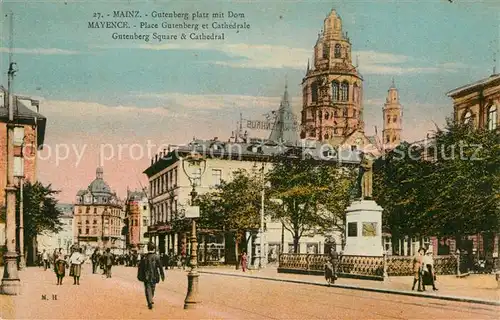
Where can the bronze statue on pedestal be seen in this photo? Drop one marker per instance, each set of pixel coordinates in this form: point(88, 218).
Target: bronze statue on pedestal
point(365, 178)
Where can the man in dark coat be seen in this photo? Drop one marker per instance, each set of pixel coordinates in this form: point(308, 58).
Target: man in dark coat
point(108, 259)
point(150, 271)
point(95, 260)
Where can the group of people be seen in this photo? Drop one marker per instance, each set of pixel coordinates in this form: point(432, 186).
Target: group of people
point(105, 261)
point(73, 262)
point(423, 270)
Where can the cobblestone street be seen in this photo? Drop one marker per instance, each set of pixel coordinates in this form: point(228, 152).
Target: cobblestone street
point(121, 297)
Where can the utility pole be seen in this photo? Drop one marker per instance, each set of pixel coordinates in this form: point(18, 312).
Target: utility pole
point(11, 284)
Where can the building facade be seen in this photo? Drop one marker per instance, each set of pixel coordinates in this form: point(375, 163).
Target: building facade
point(332, 90)
point(99, 217)
point(29, 135)
point(64, 238)
point(478, 103)
point(170, 189)
point(137, 220)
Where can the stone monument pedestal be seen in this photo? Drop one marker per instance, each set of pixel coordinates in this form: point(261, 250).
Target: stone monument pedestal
point(364, 229)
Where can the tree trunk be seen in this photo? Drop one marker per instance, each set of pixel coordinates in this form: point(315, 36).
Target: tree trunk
point(296, 239)
point(236, 249)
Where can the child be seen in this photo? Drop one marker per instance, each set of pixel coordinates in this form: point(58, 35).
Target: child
point(60, 269)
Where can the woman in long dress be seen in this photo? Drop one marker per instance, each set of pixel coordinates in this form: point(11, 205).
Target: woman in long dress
point(76, 261)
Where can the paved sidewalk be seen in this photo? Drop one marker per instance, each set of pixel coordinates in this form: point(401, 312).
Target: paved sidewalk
point(94, 298)
point(474, 288)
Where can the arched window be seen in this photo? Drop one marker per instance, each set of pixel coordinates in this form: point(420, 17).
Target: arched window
point(320, 115)
point(387, 139)
point(467, 117)
point(327, 116)
point(394, 118)
point(492, 117)
point(335, 91)
point(355, 91)
point(314, 92)
point(344, 91)
point(337, 50)
point(326, 136)
point(326, 51)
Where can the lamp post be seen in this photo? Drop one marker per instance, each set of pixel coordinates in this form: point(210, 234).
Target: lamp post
point(11, 283)
point(198, 163)
point(22, 260)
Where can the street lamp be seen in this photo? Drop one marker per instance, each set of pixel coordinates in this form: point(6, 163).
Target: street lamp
point(11, 284)
point(197, 164)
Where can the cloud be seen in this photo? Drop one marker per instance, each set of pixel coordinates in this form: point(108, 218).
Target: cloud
point(39, 51)
point(182, 101)
point(275, 57)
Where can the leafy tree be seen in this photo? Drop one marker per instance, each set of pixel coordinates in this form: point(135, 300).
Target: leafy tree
point(234, 206)
point(450, 188)
point(314, 196)
point(40, 214)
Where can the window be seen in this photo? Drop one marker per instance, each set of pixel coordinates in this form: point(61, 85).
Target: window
point(394, 119)
point(95, 210)
point(335, 91)
point(170, 178)
point(79, 231)
point(314, 92)
point(467, 117)
point(387, 139)
point(95, 221)
point(144, 221)
point(355, 96)
point(326, 136)
point(337, 50)
point(87, 210)
point(216, 176)
point(352, 229)
point(18, 166)
point(175, 176)
point(327, 116)
point(354, 148)
point(492, 118)
point(326, 51)
point(86, 230)
point(18, 136)
point(144, 208)
point(344, 91)
point(345, 113)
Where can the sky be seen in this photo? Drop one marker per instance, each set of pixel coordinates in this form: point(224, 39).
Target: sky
point(116, 102)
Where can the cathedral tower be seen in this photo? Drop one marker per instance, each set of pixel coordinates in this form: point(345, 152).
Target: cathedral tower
point(332, 88)
point(393, 114)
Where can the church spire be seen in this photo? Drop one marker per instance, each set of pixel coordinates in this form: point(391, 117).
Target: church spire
point(285, 124)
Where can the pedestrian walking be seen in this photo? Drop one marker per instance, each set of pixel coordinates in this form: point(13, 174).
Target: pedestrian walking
point(76, 260)
point(108, 262)
point(429, 274)
point(60, 268)
point(244, 260)
point(149, 272)
point(417, 269)
point(45, 259)
point(95, 258)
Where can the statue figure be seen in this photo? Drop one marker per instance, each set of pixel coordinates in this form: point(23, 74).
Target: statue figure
point(365, 177)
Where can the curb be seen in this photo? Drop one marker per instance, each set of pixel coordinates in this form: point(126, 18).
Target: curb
point(351, 287)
